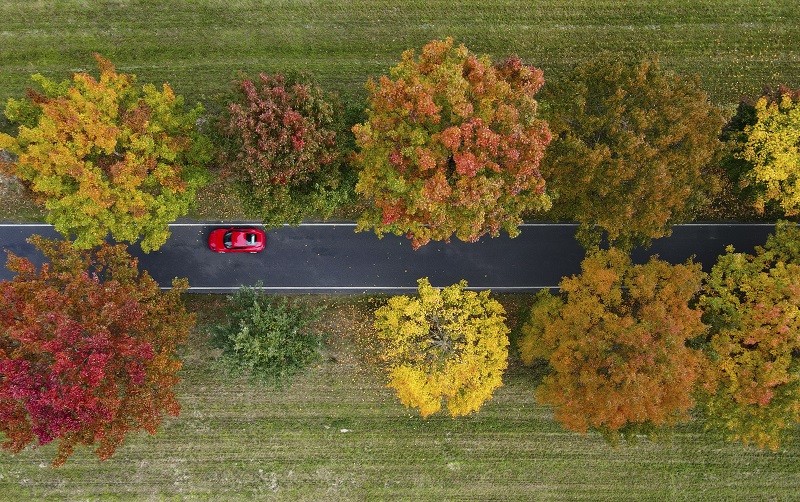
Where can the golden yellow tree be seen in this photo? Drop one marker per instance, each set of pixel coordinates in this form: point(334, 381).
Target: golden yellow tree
point(446, 345)
point(771, 148)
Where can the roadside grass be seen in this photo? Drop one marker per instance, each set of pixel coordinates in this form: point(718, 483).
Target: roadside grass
point(736, 46)
point(338, 433)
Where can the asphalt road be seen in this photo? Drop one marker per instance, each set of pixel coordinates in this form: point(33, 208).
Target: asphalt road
point(332, 258)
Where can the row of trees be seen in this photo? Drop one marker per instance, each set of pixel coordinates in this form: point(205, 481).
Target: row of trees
point(635, 349)
point(451, 145)
point(88, 351)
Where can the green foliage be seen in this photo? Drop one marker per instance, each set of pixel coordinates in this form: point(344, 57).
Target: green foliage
point(106, 156)
point(280, 143)
point(446, 345)
point(268, 339)
point(633, 152)
point(451, 146)
point(765, 145)
point(752, 303)
point(616, 341)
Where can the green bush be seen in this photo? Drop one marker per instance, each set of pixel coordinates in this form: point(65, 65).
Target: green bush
point(270, 339)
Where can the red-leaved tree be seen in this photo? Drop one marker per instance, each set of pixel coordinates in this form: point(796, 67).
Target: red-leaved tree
point(87, 349)
point(282, 149)
point(451, 145)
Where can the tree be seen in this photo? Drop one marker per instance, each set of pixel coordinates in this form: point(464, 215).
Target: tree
point(752, 303)
point(768, 143)
point(105, 156)
point(88, 349)
point(268, 339)
point(616, 343)
point(282, 148)
point(451, 145)
point(632, 150)
point(446, 345)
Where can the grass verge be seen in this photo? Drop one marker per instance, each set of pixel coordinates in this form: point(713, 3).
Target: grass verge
point(339, 434)
point(736, 46)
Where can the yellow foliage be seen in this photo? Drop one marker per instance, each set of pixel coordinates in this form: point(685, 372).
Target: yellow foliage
point(445, 346)
point(773, 149)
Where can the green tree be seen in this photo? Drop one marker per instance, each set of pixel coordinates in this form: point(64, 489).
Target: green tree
point(88, 349)
point(281, 146)
point(446, 345)
point(633, 150)
point(106, 156)
point(766, 141)
point(616, 343)
point(266, 338)
point(752, 303)
point(451, 145)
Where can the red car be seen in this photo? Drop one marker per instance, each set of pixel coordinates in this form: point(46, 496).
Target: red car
point(237, 240)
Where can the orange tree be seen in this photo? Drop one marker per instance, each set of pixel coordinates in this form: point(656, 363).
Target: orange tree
point(616, 343)
point(752, 303)
point(88, 349)
point(106, 156)
point(451, 145)
point(632, 150)
point(446, 345)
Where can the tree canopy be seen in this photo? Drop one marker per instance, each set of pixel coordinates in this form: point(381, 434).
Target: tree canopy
point(266, 338)
point(281, 147)
point(446, 345)
point(451, 146)
point(752, 303)
point(633, 150)
point(107, 156)
point(616, 344)
point(768, 142)
point(88, 349)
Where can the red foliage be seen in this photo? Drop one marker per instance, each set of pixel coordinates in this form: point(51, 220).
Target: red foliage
point(456, 141)
point(87, 349)
point(283, 130)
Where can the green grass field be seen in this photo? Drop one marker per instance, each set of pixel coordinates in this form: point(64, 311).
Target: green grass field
point(736, 46)
point(339, 434)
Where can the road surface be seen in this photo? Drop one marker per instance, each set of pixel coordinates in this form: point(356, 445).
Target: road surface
point(332, 258)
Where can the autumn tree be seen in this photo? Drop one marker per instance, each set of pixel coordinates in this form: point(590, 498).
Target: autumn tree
point(88, 349)
point(752, 303)
point(446, 345)
point(633, 150)
point(765, 151)
point(616, 344)
point(451, 145)
point(107, 156)
point(280, 144)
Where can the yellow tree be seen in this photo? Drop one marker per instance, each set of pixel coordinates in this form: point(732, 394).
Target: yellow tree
point(446, 345)
point(616, 342)
point(771, 148)
point(752, 303)
point(106, 156)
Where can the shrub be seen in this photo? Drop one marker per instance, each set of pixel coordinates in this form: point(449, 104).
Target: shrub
point(270, 339)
